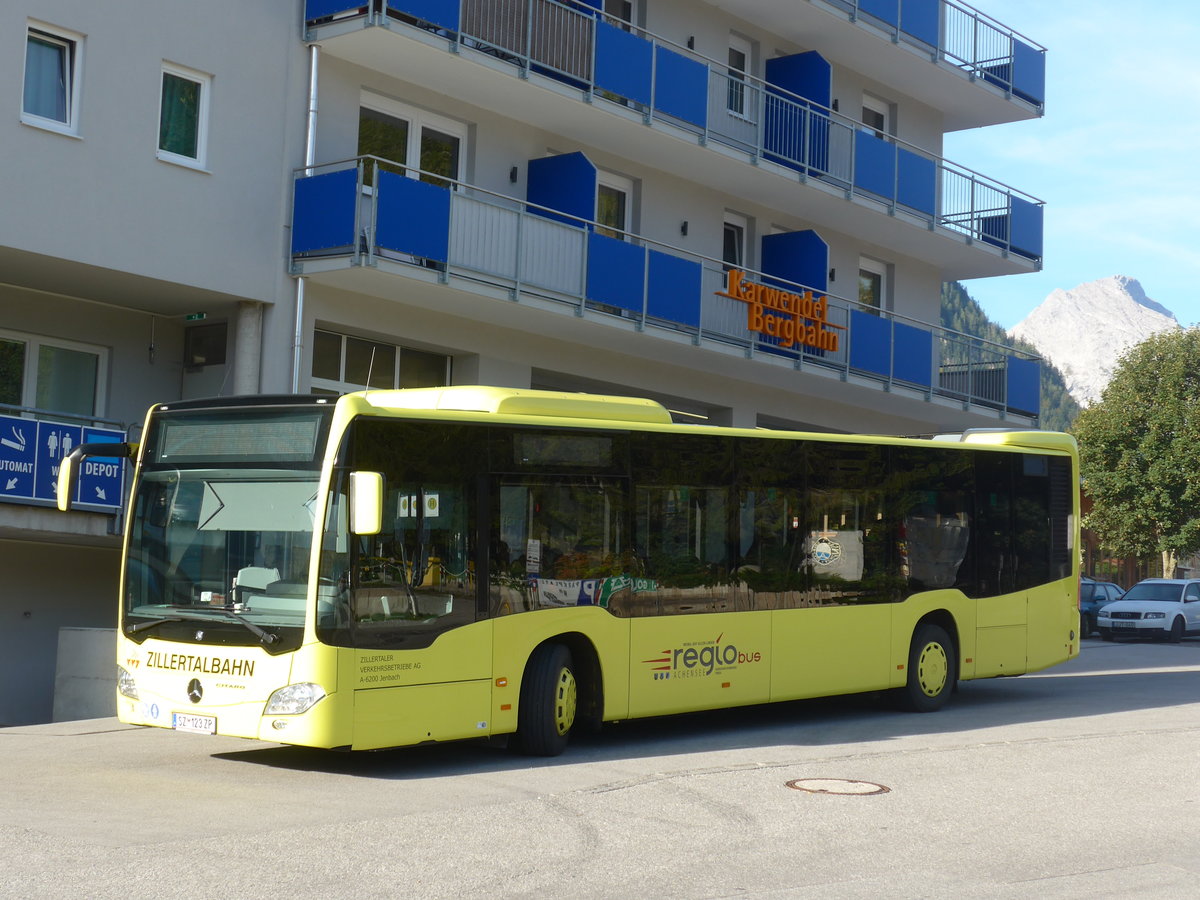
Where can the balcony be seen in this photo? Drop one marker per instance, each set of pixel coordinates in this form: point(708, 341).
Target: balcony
point(985, 73)
point(363, 215)
point(967, 224)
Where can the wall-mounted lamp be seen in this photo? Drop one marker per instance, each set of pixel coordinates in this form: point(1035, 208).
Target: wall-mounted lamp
point(832, 274)
point(512, 174)
point(683, 227)
point(691, 42)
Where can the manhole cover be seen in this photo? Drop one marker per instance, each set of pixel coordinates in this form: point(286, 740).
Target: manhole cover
point(838, 786)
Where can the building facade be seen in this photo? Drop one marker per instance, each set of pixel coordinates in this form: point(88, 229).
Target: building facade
point(738, 208)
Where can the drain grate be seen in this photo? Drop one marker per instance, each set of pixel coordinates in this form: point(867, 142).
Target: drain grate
point(843, 786)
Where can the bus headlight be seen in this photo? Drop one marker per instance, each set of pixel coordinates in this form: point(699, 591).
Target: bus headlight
point(294, 699)
point(126, 686)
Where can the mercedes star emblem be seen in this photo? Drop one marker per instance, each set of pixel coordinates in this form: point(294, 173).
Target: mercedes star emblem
point(195, 691)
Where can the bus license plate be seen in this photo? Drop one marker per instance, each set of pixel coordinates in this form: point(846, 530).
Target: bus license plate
point(194, 724)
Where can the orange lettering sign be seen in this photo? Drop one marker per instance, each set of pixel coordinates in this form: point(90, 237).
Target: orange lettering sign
point(793, 318)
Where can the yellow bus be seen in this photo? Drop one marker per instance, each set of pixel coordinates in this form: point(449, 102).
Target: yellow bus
point(390, 568)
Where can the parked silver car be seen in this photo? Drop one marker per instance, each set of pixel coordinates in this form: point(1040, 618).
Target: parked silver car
point(1161, 608)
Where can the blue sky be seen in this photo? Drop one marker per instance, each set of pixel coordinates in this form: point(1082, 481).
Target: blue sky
point(1116, 158)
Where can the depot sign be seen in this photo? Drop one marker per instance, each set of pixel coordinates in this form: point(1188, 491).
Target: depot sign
point(793, 318)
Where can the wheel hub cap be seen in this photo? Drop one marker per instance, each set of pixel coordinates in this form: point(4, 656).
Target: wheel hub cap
point(933, 668)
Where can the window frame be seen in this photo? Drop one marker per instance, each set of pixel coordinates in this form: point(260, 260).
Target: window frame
point(200, 161)
point(882, 108)
point(72, 42)
point(33, 344)
point(332, 386)
point(418, 120)
point(621, 185)
point(742, 223)
point(883, 270)
point(743, 89)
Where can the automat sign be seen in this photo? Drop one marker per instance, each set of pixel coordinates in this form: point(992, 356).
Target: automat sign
point(793, 318)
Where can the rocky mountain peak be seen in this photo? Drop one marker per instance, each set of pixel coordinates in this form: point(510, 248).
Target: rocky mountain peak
point(1084, 330)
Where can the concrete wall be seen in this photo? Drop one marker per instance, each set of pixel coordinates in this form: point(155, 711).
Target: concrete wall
point(103, 197)
point(47, 587)
point(85, 679)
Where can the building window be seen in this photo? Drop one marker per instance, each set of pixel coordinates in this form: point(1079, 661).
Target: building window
point(877, 115)
point(733, 249)
point(873, 283)
point(622, 11)
point(183, 116)
point(204, 345)
point(51, 375)
point(342, 363)
point(51, 92)
point(737, 100)
point(614, 205)
point(420, 144)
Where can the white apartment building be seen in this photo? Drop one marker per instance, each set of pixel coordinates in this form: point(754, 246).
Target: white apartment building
point(738, 208)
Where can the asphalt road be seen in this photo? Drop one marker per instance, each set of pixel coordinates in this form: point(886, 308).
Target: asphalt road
point(1082, 781)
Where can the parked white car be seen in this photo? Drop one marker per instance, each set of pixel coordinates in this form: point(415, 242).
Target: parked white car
point(1161, 608)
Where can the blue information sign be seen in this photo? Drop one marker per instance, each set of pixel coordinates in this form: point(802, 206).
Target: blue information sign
point(31, 453)
point(100, 477)
point(54, 443)
point(18, 444)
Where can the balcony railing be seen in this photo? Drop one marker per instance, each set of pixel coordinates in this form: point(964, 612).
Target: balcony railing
point(363, 212)
point(785, 120)
point(964, 37)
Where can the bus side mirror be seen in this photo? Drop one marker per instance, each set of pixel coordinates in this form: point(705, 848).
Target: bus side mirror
point(366, 502)
point(68, 469)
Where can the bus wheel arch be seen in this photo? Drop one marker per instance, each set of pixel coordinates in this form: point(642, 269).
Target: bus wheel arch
point(560, 692)
point(933, 665)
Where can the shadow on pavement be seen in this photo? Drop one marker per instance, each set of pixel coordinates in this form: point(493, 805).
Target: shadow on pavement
point(1105, 678)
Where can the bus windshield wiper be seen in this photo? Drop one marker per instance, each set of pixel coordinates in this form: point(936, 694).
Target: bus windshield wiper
point(153, 623)
point(265, 636)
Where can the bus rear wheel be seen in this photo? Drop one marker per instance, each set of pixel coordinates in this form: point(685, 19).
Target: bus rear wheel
point(549, 700)
point(932, 670)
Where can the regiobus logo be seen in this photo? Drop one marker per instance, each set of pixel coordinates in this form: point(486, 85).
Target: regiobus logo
point(699, 659)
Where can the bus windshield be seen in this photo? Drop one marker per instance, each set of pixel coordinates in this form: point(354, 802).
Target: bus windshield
point(228, 547)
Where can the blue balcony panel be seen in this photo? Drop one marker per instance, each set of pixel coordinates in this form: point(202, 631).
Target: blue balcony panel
point(912, 354)
point(567, 183)
point(1029, 73)
point(1023, 385)
point(1026, 227)
point(674, 286)
point(624, 63)
point(443, 13)
point(796, 257)
point(321, 9)
point(916, 178)
point(412, 217)
point(874, 165)
point(886, 11)
point(616, 272)
point(680, 87)
point(323, 211)
point(921, 19)
point(870, 343)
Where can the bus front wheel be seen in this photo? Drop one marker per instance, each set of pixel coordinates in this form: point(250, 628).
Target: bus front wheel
point(932, 670)
point(549, 696)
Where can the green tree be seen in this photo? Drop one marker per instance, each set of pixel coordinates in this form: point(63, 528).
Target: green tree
point(1139, 450)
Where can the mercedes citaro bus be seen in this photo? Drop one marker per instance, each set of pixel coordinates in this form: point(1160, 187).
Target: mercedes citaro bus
point(389, 568)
